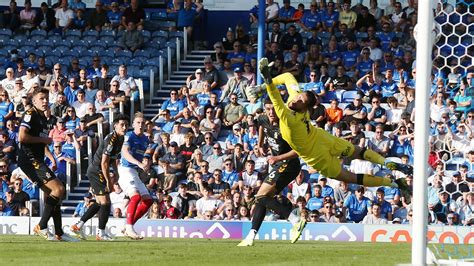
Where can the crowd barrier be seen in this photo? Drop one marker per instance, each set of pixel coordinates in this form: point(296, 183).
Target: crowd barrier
point(279, 230)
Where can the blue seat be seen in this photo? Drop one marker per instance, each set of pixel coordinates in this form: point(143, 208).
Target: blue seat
point(39, 52)
point(6, 32)
point(118, 61)
point(142, 59)
point(55, 38)
point(160, 33)
point(98, 46)
point(134, 62)
point(133, 70)
point(62, 49)
point(106, 59)
point(113, 69)
point(114, 45)
point(146, 33)
point(153, 62)
point(165, 25)
point(141, 53)
point(159, 15)
point(73, 32)
point(90, 33)
point(349, 96)
point(4, 38)
point(38, 32)
point(72, 39)
point(51, 60)
point(124, 53)
point(22, 39)
point(107, 33)
point(45, 49)
point(108, 53)
point(106, 39)
point(176, 34)
point(90, 39)
point(88, 53)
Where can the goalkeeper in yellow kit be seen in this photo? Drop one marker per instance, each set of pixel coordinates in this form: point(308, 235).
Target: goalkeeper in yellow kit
point(315, 146)
point(319, 149)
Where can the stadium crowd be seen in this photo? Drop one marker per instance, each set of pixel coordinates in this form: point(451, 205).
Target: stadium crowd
point(208, 164)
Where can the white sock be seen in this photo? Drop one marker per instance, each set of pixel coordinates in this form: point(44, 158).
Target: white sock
point(129, 227)
point(80, 224)
point(252, 234)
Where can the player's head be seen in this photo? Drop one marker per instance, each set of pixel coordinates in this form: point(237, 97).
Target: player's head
point(303, 102)
point(121, 124)
point(40, 99)
point(138, 123)
point(270, 111)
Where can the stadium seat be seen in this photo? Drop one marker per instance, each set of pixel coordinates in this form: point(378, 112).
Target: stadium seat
point(106, 39)
point(107, 53)
point(45, 49)
point(160, 33)
point(176, 34)
point(39, 32)
point(165, 25)
point(6, 32)
point(73, 32)
point(90, 39)
point(124, 53)
point(118, 61)
point(348, 96)
point(72, 39)
point(106, 60)
point(98, 46)
point(90, 33)
point(454, 163)
point(51, 60)
point(135, 62)
point(159, 15)
point(4, 38)
point(62, 49)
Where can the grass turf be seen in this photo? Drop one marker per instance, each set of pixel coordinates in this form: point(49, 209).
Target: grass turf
point(32, 250)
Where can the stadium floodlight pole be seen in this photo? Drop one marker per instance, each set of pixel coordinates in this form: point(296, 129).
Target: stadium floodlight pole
point(424, 45)
point(261, 36)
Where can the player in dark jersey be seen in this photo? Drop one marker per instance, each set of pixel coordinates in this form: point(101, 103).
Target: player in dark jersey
point(98, 174)
point(285, 166)
point(33, 138)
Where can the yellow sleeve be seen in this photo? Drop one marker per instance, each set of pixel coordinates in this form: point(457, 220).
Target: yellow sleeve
point(290, 82)
point(283, 112)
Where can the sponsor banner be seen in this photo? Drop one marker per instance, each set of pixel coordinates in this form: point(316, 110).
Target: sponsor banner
point(436, 234)
point(14, 225)
point(189, 229)
point(312, 231)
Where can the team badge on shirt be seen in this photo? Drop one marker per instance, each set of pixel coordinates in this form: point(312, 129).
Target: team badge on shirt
point(27, 118)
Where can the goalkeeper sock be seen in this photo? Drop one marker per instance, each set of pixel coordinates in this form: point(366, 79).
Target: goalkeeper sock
point(373, 156)
point(373, 181)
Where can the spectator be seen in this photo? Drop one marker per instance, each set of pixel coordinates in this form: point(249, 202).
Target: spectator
point(27, 17)
point(316, 201)
point(64, 17)
point(291, 38)
point(365, 20)
point(82, 206)
point(59, 108)
point(442, 208)
point(347, 16)
point(467, 210)
point(184, 202)
point(298, 188)
point(229, 174)
point(169, 211)
point(173, 8)
point(11, 16)
point(375, 217)
point(385, 206)
point(355, 111)
point(341, 193)
point(132, 39)
point(97, 18)
point(311, 19)
point(80, 105)
point(45, 18)
point(326, 190)
point(56, 76)
point(58, 134)
point(357, 205)
point(114, 17)
point(103, 81)
point(236, 136)
point(4, 209)
point(154, 212)
point(126, 82)
point(8, 83)
point(20, 199)
point(458, 187)
point(207, 204)
point(72, 121)
point(134, 14)
point(79, 21)
point(176, 161)
point(77, 5)
point(334, 114)
point(218, 186)
point(187, 15)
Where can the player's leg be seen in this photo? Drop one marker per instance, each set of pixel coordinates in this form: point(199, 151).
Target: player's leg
point(278, 178)
point(127, 182)
point(265, 192)
point(374, 157)
point(364, 179)
point(98, 185)
point(145, 203)
point(104, 212)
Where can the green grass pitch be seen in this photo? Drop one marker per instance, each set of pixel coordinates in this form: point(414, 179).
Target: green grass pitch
point(33, 250)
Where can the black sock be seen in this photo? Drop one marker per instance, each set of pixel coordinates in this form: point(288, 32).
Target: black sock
point(259, 213)
point(50, 203)
point(281, 209)
point(104, 212)
point(93, 209)
point(58, 223)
